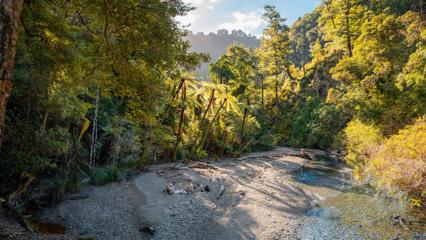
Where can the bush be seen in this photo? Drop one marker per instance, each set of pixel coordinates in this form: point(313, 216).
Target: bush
point(362, 141)
point(400, 163)
point(396, 164)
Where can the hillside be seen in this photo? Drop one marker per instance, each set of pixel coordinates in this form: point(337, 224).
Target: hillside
point(215, 44)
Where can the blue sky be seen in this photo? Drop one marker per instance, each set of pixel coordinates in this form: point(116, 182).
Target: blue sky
point(212, 15)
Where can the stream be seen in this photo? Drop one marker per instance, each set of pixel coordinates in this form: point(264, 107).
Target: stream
point(357, 213)
point(270, 195)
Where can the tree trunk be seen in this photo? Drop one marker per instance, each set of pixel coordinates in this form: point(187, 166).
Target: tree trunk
point(204, 117)
point(316, 81)
point(244, 119)
point(45, 117)
point(10, 13)
point(276, 76)
point(176, 94)
point(94, 132)
point(348, 30)
point(332, 18)
point(213, 120)
point(181, 120)
point(263, 94)
point(243, 124)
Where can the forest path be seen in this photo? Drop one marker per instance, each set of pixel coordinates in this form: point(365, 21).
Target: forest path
point(266, 196)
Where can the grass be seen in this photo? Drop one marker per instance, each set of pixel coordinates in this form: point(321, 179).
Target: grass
point(104, 175)
point(112, 173)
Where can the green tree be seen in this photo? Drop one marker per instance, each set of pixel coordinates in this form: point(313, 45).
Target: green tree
point(274, 50)
point(340, 23)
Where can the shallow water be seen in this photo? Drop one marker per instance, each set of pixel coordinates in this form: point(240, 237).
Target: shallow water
point(371, 216)
point(352, 213)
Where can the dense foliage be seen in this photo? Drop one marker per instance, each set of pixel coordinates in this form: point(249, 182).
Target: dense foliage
point(91, 83)
point(349, 77)
point(102, 87)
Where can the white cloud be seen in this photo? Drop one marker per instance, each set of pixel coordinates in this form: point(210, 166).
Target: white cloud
point(210, 15)
point(195, 17)
point(246, 21)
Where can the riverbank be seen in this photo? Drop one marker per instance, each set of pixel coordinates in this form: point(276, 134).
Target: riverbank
point(269, 195)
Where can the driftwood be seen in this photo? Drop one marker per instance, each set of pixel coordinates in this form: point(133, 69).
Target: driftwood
point(75, 197)
point(304, 155)
point(222, 189)
point(202, 166)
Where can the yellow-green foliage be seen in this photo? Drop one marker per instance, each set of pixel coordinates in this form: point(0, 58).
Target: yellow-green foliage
point(400, 164)
point(85, 123)
point(362, 141)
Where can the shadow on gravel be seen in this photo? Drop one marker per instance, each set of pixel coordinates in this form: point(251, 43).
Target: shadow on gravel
point(261, 193)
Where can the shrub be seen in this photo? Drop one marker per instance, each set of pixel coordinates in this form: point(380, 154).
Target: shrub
point(362, 141)
point(400, 163)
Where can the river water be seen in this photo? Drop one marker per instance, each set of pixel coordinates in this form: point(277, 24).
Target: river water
point(357, 213)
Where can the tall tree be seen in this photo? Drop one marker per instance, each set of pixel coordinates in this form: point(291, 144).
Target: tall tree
point(10, 13)
point(275, 49)
point(341, 22)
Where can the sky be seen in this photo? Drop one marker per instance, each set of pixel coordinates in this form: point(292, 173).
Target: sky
point(211, 15)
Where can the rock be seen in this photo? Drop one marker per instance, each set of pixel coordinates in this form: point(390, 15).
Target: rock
point(207, 188)
point(170, 189)
point(189, 188)
point(161, 173)
point(315, 203)
point(397, 220)
point(147, 229)
point(419, 236)
point(398, 237)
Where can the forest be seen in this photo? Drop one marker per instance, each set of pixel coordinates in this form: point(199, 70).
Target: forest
point(91, 91)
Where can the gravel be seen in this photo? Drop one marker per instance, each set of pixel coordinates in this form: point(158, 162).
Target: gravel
point(263, 199)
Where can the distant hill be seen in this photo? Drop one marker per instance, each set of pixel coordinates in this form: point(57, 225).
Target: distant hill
point(216, 44)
